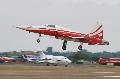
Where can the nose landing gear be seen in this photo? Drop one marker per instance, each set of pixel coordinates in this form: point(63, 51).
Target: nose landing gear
point(38, 40)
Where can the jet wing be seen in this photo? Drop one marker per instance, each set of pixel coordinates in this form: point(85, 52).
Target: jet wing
point(23, 27)
point(20, 28)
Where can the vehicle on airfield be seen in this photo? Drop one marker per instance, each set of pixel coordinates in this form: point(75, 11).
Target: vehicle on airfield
point(92, 38)
point(7, 60)
point(109, 61)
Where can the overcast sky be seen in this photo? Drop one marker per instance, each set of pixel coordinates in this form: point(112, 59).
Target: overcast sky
point(80, 15)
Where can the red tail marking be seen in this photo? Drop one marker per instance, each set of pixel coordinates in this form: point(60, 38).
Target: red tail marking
point(100, 34)
point(97, 29)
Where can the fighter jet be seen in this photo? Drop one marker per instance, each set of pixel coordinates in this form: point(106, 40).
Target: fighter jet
point(93, 38)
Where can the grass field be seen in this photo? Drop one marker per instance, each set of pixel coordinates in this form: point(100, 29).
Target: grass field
point(19, 71)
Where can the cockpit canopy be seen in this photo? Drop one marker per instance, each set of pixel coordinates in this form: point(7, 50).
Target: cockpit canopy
point(53, 26)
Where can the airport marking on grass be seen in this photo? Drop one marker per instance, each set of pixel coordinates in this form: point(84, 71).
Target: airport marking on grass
point(112, 76)
point(104, 72)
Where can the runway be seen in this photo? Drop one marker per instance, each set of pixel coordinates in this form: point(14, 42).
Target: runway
point(21, 71)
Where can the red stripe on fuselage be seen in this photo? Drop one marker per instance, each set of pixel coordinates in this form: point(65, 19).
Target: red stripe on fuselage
point(55, 32)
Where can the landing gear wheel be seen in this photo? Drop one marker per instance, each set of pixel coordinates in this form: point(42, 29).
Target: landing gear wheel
point(80, 47)
point(107, 43)
point(64, 45)
point(66, 65)
point(47, 64)
point(38, 40)
point(55, 64)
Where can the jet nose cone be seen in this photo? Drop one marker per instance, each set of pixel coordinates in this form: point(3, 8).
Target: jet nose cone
point(23, 27)
point(69, 61)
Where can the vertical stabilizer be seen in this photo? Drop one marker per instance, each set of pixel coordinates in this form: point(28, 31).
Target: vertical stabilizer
point(98, 32)
point(41, 54)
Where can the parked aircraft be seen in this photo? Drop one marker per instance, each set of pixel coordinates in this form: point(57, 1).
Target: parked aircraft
point(7, 60)
point(109, 61)
point(48, 59)
point(92, 38)
point(30, 58)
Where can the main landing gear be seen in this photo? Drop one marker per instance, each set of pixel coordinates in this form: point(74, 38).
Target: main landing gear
point(80, 47)
point(64, 45)
point(38, 40)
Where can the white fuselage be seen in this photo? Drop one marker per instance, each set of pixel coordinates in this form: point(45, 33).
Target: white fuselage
point(49, 59)
point(56, 59)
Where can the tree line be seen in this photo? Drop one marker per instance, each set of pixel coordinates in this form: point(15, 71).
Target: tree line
point(74, 56)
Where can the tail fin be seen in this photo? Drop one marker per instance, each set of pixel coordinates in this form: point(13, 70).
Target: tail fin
point(98, 32)
point(42, 54)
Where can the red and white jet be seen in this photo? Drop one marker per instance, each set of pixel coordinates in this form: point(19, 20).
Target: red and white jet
point(93, 38)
